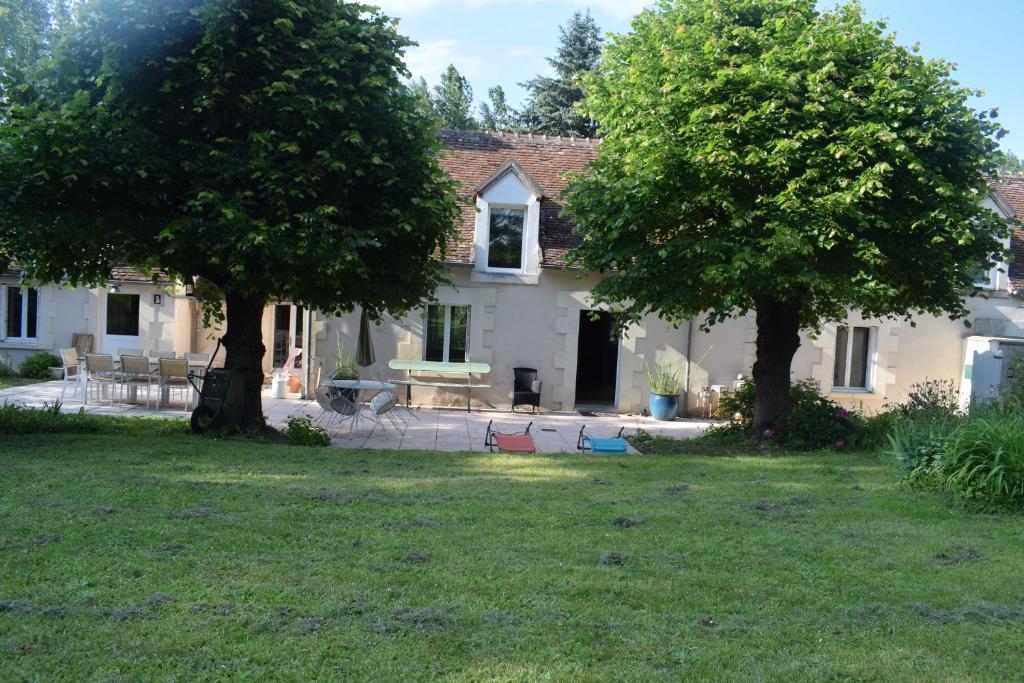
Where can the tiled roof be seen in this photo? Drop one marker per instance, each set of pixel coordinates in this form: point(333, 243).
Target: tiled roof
point(1011, 187)
point(118, 274)
point(471, 157)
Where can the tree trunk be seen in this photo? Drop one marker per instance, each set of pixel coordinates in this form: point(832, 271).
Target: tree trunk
point(243, 346)
point(778, 338)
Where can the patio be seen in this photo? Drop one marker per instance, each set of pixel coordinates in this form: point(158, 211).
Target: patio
point(437, 429)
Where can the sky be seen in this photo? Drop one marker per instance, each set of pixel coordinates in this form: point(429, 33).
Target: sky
point(504, 42)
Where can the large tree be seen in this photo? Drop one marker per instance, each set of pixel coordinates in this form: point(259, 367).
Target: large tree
point(497, 114)
point(551, 104)
point(452, 100)
point(760, 155)
point(269, 147)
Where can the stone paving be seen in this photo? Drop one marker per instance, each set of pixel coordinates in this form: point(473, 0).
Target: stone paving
point(425, 428)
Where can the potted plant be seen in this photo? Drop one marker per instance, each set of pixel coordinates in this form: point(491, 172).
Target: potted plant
point(345, 367)
point(664, 382)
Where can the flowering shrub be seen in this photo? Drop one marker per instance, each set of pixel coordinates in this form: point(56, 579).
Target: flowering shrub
point(813, 421)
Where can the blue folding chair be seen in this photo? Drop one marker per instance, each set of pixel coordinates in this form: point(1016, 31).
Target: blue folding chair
point(617, 444)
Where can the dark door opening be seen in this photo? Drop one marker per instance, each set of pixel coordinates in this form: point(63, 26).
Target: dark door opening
point(287, 333)
point(596, 360)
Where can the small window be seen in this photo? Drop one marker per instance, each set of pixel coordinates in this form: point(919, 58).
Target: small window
point(447, 334)
point(21, 313)
point(505, 238)
point(853, 358)
point(123, 315)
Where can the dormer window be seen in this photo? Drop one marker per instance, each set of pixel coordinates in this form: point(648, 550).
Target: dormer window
point(507, 247)
point(505, 238)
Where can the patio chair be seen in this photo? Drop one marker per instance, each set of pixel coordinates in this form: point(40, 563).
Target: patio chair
point(129, 352)
point(382, 373)
point(509, 442)
point(162, 354)
point(383, 406)
point(526, 389)
point(71, 366)
point(594, 444)
point(173, 374)
point(99, 371)
point(345, 409)
point(327, 416)
point(135, 372)
point(82, 343)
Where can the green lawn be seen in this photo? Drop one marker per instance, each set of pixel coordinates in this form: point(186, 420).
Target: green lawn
point(132, 556)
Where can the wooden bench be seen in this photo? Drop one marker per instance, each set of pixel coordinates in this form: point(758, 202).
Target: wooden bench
point(431, 367)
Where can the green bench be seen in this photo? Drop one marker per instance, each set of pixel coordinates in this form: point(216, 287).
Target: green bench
point(431, 367)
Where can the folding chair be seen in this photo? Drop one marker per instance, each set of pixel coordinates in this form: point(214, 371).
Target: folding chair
point(594, 444)
point(514, 442)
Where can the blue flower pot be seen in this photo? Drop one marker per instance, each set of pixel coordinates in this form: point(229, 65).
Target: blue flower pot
point(663, 407)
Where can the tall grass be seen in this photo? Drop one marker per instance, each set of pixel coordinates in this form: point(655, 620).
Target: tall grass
point(983, 458)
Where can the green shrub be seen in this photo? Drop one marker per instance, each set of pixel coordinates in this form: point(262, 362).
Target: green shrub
point(37, 366)
point(916, 444)
point(19, 419)
point(813, 420)
point(302, 432)
point(931, 399)
point(6, 369)
point(982, 460)
point(1013, 388)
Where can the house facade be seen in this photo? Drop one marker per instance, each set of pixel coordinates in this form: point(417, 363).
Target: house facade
point(513, 302)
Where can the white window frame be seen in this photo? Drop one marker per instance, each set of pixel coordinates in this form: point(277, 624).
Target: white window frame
point(869, 370)
point(447, 347)
point(522, 242)
point(23, 336)
point(994, 277)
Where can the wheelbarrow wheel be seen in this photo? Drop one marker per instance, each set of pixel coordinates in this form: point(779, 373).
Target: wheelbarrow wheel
point(202, 417)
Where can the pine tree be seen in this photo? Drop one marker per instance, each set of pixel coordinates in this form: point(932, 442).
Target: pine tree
point(498, 115)
point(452, 100)
point(551, 105)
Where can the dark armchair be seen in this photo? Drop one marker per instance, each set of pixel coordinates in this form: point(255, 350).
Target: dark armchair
point(527, 389)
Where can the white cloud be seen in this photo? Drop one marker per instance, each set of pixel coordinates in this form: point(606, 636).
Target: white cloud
point(430, 58)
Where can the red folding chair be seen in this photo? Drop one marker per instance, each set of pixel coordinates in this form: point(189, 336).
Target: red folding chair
point(515, 442)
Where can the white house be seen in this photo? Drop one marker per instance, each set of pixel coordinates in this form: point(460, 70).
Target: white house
point(513, 303)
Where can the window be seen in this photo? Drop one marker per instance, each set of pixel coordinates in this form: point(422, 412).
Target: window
point(447, 334)
point(505, 238)
point(123, 315)
point(20, 313)
point(853, 358)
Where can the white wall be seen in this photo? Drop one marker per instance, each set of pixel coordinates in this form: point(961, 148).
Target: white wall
point(65, 311)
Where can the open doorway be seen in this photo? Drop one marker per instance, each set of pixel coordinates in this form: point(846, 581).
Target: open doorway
point(597, 360)
point(287, 333)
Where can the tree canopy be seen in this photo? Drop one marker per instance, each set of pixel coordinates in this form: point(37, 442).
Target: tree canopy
point(551, 105)
point(762, 155)
point(452, 100)
point(269, 147)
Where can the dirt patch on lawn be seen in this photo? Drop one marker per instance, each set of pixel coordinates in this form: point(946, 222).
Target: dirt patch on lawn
point(791, 508)
point(197, 511)
point(416, 557)
point(174, 548)
point(614, 558)
point(41, 539)
point(957, 554)
point(627, 522)
point(438, 618)
point(986, 611)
